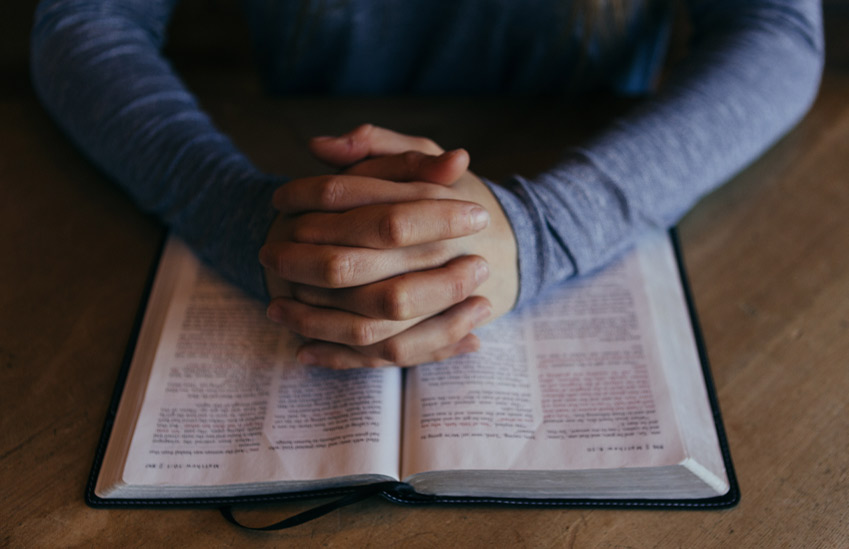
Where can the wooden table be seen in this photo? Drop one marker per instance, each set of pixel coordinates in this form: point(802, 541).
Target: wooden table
point(768, 256)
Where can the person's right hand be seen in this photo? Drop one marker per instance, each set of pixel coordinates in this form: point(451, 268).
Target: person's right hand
point(394, 320)
point(372, 260)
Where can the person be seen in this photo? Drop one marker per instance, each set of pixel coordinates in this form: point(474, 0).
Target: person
point(399, 255)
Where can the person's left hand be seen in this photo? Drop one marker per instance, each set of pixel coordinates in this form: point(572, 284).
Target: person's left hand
point(423, 312)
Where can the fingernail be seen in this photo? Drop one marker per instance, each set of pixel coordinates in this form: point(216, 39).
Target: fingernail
point(274, 312)
point(323, 138)
point(478, 218)
point(481, 271)
point(482, 312)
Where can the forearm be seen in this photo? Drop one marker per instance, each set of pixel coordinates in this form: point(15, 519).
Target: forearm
point(752, 73)
point(98, 69)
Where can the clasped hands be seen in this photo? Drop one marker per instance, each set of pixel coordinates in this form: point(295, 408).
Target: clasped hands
point(394, 260)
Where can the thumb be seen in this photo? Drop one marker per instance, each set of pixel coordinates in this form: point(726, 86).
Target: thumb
point(367, 141)
point(444, 169)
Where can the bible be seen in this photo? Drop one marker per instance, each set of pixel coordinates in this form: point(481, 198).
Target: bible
point(598, 394)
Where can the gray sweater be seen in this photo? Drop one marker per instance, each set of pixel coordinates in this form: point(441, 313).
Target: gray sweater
point(752, 71)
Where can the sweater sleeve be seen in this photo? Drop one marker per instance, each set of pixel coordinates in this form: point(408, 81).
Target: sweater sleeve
point(752, 71)
point(98, 69)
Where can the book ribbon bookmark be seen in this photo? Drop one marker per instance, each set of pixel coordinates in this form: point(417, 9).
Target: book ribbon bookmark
point(361, 493)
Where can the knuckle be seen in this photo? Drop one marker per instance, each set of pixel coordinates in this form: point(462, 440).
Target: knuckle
point(363, 130)
point(302, 325)
point(458, 220)
point(363, 332)
point(459, 326)
point(331, 192)
point(361, 135)
point(339, 270)
point(396, 352)
point(394, 229)
point(412, 161)
point(396, 303)
point(457, 289)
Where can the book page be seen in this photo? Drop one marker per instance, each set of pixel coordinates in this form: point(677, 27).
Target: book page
point(226, 403)
point(678, 351)
point(573, 382)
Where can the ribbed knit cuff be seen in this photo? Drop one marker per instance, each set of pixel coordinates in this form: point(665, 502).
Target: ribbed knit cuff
point(530, 229)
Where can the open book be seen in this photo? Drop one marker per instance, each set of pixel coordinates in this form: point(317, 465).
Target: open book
point(595, 394)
